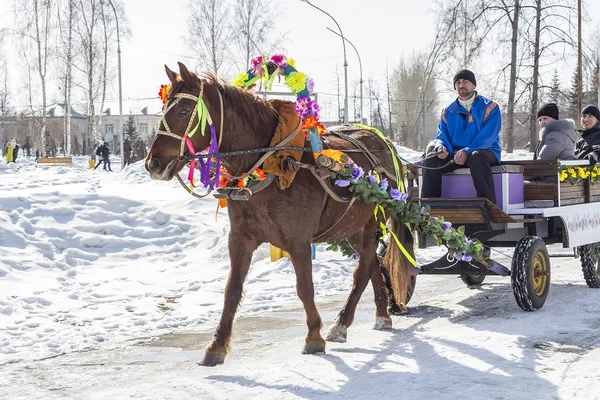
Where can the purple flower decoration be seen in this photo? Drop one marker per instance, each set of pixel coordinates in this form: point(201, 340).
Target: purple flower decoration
point(357, 173)
point(383, 185)
point(459, 257)
point(398, 195)
point(355, 256)
point(371, 179)
point(310, 84)
point(446, 225)
point(433, 218)
point(423, 209)
point(342, 182)
point(314, 108)
point(467, 258)
point(301, 106)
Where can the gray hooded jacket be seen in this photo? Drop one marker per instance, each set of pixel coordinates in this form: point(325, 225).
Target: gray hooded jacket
point(557, 141)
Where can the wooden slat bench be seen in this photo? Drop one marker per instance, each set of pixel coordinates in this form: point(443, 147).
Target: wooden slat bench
point(54, 161)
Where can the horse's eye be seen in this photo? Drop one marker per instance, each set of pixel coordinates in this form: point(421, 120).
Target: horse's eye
point(183, 111)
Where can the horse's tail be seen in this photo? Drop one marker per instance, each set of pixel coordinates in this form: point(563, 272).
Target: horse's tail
point(396, 263)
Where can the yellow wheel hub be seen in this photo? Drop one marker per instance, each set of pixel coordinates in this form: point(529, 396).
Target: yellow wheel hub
point(539, 273)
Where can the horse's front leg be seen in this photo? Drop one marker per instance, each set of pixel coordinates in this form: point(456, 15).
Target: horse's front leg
point(302, 261)
point(240, 255)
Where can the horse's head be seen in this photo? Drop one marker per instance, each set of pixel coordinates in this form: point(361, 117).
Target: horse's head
point(169, 151)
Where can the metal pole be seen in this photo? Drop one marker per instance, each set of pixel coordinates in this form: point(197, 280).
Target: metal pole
point(361, 74)
point(120, 88)
point(579, 62)
point(345, 60)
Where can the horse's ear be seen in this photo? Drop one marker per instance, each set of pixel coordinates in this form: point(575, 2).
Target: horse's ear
point(186, 75)
point(172, 75)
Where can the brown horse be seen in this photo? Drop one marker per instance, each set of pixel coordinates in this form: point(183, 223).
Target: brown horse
point(289, 219)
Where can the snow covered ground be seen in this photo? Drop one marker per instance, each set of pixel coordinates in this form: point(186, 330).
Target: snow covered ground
point(111, 285)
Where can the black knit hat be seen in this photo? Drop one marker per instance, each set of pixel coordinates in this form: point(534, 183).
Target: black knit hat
point(592, 110)
point(466, 75)
point(548, 110)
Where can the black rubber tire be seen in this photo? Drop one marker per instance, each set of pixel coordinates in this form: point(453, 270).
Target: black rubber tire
point(590, 264)
point(473, 280)
point(530, 253)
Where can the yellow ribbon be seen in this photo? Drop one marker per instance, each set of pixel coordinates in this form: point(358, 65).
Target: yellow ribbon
point(399, 178)
point(384, 233)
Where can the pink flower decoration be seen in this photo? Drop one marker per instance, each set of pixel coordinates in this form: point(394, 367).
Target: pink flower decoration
point(256, 63)
point(280, 61)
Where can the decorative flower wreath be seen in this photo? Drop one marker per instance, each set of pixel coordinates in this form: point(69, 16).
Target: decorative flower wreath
point(265, 69)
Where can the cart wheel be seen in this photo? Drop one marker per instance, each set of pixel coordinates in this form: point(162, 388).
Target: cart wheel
point(590, 264)
point(530, 273)
point(473, 280)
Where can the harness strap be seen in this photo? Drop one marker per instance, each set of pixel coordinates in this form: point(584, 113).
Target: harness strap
point(266, 155)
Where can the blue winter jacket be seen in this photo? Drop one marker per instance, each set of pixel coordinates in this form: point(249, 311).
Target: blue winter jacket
point(470, 131)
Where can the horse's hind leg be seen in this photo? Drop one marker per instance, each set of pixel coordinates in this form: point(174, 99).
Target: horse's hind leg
point(240, 255)
point(301, 259)
point(368, 269)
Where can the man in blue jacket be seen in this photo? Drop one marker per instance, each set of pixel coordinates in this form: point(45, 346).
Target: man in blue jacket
point(469, 131)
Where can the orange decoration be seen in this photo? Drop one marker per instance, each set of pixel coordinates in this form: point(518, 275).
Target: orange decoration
point(163, 93)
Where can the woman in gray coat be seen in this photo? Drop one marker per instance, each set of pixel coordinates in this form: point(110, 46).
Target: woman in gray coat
point(557, 139)
point(557, 136)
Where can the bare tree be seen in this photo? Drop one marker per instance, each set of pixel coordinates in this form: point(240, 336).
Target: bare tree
point(415, 96)
point(209, 35)
point(65, 20)
point(4, 97)
point(253, 22)
point(35, 25)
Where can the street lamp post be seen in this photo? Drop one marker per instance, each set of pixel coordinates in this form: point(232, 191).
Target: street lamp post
point(345, 60)
point(361, 75)
point(120, 88)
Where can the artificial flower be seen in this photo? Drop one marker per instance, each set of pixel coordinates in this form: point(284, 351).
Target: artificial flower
point(163, 93)
point(240, 79)
point(310, 84)
point(342, 182)
point(291, 62)
point(280, 61)
point(296, 81)
point(357, 173)
point(383, 185)
point(256, 62)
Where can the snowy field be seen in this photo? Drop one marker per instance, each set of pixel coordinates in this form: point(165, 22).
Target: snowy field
point(111, 285)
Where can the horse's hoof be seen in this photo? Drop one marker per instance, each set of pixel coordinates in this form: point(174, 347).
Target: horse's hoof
point(337, 333)
point(212, 359)
point(314, 348)
point(395, 309)
point(382, 323)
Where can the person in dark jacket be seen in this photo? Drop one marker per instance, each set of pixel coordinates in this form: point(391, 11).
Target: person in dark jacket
point(105, 156)
point(588, 147)
point(557, 136)
point(99, 154)
point(127, 151)
point(469, 131)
